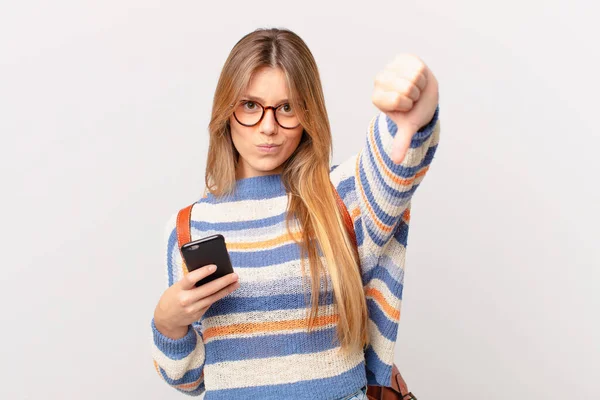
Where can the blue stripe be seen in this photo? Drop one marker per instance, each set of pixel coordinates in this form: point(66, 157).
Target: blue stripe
point(346, 186)
point(263, 258)
point(174, 349)
point(238, 225)
point(232, 304)
point(358, 230)
point(254, 188)
point(265, 346)
point(394, 285)
point(376, 367)
point(401, 233)
point(333, 388)
point(172, 243)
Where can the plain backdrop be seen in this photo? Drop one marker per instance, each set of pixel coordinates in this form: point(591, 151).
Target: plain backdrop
point(104, 107)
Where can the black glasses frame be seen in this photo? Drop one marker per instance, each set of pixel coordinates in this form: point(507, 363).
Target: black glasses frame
point(264, 111)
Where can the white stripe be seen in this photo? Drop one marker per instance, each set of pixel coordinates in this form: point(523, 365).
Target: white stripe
point(239, 211)
point(344, 170)
point(287, 270)
point(175, 369)
point(279, 370)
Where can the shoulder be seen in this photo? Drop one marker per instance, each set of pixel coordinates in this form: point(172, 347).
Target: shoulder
point(171, 222)
point(342, 176)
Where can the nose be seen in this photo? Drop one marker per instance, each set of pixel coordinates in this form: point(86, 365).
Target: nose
point(268, 125)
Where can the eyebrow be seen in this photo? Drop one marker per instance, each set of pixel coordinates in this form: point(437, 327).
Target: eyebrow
point(256, 98)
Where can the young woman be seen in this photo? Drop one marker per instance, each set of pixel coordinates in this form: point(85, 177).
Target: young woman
point(302, 317)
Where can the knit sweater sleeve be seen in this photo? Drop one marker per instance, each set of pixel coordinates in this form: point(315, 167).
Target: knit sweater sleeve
point(377, 191)
point(378, 194)
point(179, 362)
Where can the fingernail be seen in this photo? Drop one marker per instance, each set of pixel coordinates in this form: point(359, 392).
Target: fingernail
point(212, 268)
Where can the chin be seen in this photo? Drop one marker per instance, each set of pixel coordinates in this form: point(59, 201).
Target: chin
point(266, 168)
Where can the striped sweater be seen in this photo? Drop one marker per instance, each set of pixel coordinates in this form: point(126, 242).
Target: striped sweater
point(254, 343)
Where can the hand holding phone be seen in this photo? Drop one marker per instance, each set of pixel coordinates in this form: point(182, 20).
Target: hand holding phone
point(210, 278)
point(183, 303)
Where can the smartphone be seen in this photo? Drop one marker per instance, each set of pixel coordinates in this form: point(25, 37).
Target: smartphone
point(205, 251)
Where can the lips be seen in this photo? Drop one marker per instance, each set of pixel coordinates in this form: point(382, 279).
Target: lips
point(268, 148)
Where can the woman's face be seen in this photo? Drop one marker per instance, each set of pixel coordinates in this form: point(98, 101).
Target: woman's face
point(267, 87)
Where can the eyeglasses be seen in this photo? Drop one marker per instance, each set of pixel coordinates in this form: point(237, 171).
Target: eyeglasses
point(250, 113)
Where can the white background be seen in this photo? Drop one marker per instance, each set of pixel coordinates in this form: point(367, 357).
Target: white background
point(104, 108)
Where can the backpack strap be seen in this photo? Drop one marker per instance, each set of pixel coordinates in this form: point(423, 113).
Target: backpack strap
point(184, 235)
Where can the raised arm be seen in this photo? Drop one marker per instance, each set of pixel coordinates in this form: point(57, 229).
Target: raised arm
point(401, 142)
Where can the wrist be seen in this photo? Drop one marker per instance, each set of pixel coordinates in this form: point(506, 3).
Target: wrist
point(171, 332)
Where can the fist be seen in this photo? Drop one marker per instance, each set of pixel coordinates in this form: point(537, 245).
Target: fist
point(407, 92)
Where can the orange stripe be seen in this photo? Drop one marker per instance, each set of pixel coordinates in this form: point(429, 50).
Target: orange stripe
point(157, 368)
point(355, 213)
point(286, 237)
point(406, 215)
point(192, 385)
point(392, 312)
point(267, 326)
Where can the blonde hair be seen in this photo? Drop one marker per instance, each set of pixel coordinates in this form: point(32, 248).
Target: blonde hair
point(305, 173)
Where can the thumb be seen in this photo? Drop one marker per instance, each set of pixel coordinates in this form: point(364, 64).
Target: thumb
point(402, 141)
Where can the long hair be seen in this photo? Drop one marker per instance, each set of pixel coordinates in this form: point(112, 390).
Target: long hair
point(305, 174)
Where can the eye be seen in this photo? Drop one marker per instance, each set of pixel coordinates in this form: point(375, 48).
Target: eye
point(286, 108)
point(250, 105)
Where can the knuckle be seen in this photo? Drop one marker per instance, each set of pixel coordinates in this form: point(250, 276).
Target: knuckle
point(183, 301)
point(398, 99)
point(189, 278)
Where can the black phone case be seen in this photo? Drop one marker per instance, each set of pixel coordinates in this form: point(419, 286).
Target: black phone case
point(205, 251)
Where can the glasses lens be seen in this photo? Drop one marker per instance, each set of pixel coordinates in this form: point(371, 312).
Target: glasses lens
point(286, 116)
point(248, 112)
